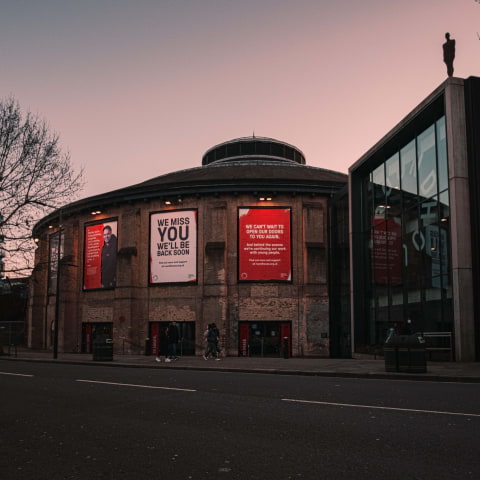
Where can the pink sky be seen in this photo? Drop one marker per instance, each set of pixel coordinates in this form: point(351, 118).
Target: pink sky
point(141, 88)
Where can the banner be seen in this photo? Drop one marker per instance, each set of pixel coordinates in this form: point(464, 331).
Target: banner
point(264, 244)
point(100, 256)
point(387, 251)
point(173, 246)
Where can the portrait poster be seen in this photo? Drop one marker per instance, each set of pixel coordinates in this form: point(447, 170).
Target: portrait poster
point(173, 246)
point(100, 255)
point(264, 244)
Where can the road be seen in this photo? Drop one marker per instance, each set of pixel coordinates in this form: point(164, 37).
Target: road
point(93, 422)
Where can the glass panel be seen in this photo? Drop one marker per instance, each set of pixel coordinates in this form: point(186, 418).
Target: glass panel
point(379, 252)
point(414, 244)
point(371, 327)
point(408, 168)
point(370, 202)
point(444, 214)
point(427, 164)
point(393, 172)
point(394, 250)
point(444, 236)
point(415, 314)
point(432, 313)
point(429, 211)
point(378, 180)
point(382, 325)
point(442, 155)
point(445, 202)
point(392, 168)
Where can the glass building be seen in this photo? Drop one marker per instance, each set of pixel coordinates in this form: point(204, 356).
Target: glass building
point(412, 267)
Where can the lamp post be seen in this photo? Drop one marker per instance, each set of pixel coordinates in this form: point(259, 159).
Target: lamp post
point(57, 296)
point(2, 252)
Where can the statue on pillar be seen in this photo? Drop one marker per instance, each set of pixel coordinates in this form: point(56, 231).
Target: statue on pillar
point(449, 53)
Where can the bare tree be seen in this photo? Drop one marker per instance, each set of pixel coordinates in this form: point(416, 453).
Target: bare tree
point(35, 178)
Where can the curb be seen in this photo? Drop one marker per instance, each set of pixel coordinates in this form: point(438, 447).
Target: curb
point(266, 371)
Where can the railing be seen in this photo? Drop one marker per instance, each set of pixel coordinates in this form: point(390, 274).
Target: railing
point(439, 342)
point(133, 344)
point(435, 342)
point(10, 347)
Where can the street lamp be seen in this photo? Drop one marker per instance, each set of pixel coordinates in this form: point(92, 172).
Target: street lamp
point(57, 297)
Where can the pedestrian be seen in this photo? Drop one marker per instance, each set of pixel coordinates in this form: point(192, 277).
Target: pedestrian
point(205, 340)
point(212, 341)
point(162, 344)
point(172, 340)
point(217, 343)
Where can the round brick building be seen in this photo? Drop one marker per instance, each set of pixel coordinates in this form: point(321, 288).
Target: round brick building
point(242, 241)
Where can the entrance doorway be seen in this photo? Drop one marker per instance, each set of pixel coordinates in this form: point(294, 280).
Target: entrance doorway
point(90, 330)
point(158, 338)
point(264, 339)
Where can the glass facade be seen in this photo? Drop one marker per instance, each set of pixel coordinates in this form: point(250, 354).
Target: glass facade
point(405, 236)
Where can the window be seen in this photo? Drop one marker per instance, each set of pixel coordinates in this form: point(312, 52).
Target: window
point(427, 165)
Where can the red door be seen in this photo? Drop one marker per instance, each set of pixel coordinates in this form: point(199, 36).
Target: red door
point(155, 338)
point(286, 333)
point(244, 337)
point(87, 337)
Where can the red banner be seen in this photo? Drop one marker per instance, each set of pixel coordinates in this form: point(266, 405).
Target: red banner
point(387, 251)
point(264, 244)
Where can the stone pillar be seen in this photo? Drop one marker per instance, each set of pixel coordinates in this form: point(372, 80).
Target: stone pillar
point(460, 231)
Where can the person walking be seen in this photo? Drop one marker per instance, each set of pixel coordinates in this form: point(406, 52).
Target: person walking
point(205, 339)
point(217, 342)
point(212, 341)
point(172, 340)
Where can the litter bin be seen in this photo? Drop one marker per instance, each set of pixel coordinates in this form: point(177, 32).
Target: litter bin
point(405, 353)
point(103, 350)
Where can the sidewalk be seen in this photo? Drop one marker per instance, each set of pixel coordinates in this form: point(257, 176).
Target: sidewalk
point(360, 367)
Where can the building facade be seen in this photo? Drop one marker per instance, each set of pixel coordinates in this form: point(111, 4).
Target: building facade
point(414, 225)
point(242, 241)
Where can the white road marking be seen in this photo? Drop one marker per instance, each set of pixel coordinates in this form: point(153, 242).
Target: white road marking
point(138, 386)
point(382, 408)
point(15, 374)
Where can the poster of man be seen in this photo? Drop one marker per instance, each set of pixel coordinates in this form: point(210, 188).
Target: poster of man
point(100, 259)
point(109, 258)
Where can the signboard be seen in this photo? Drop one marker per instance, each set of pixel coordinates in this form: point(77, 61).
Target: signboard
point(264, 244)
point(173, 246)
point(100, 256)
